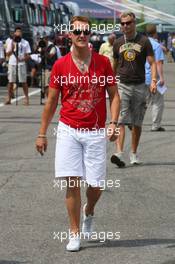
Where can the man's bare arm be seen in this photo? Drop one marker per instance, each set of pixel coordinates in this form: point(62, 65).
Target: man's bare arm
point(151, 61)
point(114, 102)
point(10, 49)
point(159, 65)
point(114, 108)
point(48, 113)
point(49, 110)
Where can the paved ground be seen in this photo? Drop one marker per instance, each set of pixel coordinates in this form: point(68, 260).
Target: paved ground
point(31, 209)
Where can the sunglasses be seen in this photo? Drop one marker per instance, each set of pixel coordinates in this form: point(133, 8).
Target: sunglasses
point(126, 23)
point(78, 32)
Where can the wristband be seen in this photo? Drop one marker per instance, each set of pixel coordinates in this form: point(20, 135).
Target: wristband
point(41, 136)
point(154, 80)
point(113, 122)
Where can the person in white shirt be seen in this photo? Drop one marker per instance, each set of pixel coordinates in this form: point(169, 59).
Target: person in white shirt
point(8, 40)
point(106, 48)
point(18, 50)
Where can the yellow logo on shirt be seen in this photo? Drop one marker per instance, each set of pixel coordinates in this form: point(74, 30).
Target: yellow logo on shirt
point(130, 50)
point(130, 55)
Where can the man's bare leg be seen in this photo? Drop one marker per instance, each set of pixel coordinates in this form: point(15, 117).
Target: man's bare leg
point(73, 203)
point(46, 91)
point(93, 194)
point(120, 140)
point(33, 77)
point(136, 133)
point(10, 93)
point(117, 157)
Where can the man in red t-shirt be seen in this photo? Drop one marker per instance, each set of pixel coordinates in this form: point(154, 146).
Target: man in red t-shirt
point(82, 77)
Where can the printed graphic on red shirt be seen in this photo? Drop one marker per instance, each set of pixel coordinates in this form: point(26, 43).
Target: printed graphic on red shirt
point(82, 95)
point(85, 98)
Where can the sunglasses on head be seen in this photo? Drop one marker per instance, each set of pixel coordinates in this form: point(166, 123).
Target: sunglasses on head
point(79, 32)
point(126, 23)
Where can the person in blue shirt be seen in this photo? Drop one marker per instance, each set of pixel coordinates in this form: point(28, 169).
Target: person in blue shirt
point(156, 99)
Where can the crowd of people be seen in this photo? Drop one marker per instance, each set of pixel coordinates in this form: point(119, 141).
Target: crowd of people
point(44, 53)
point(16, 55)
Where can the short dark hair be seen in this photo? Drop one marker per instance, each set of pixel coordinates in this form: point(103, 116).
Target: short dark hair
point(151, 29)
point(18, 28)
point(128, 13)
point(81, 19)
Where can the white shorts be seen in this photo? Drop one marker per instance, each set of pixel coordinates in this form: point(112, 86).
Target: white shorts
point(80, 154)
point(22, 73)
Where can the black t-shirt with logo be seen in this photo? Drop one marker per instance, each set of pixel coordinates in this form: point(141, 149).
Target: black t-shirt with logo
point(131, 57)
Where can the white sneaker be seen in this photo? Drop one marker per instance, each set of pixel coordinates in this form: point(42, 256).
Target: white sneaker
point(134, 160)
point(74, 243)
point(87, 226)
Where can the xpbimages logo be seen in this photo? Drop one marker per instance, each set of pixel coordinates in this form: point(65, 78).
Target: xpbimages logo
point(95, 28)
point(101, 236)
point(71, 79)
point(62, 184)
point(101, 132)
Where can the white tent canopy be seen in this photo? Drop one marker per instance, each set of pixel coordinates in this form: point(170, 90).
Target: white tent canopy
point(141, 11)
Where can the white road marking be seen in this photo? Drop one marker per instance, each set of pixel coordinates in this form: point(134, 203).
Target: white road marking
point(21, 97)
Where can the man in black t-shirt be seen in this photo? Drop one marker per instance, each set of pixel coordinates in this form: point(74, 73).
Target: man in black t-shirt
point(130, 54)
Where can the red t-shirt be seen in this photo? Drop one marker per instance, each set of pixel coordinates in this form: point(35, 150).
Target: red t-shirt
point(83, 96)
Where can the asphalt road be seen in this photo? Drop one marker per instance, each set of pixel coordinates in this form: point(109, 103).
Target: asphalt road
point(32, 210)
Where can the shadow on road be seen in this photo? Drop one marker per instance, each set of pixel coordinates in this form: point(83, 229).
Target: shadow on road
point(11, 262)
point(157, 163)
point(169, 262)
point(170, 163)
point(130, 243)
